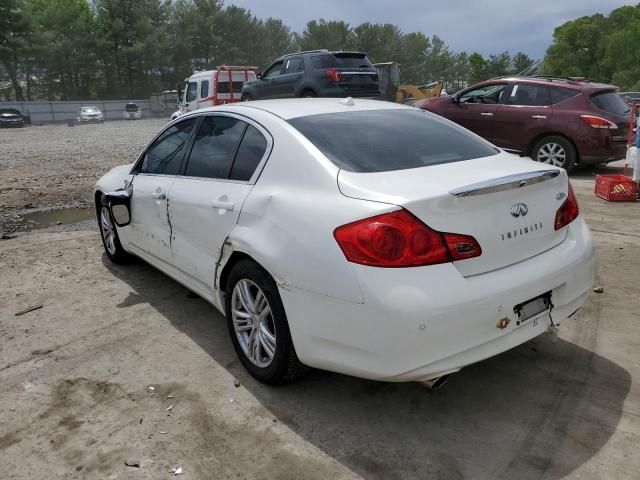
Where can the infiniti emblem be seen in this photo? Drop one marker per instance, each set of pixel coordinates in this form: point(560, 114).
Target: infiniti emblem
point(519, 210)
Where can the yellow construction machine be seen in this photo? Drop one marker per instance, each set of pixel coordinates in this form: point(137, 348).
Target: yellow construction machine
point(393, 91)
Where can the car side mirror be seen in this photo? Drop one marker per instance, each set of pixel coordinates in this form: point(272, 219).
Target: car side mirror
point(119, 204)
point(455, 99)
point(259, 76)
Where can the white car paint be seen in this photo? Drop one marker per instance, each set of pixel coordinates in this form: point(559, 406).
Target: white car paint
point(393, 324)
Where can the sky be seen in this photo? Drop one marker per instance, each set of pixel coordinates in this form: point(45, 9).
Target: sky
point(485, 26)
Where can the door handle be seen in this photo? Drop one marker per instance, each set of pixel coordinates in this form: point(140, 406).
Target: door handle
point(487, 114)
point(223, 205)
point(159, 195)
point(539, 116)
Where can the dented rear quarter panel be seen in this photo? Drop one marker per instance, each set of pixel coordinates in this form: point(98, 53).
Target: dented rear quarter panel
point(288, 219)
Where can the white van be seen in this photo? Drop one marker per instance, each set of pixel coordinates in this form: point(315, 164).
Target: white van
point(213, 87)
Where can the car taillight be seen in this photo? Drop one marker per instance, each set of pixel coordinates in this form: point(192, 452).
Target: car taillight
point(334, 75)
point(398, 239)
point(568, 211)
point(598, 122)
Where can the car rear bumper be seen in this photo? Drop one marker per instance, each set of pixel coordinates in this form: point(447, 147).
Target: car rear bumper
point(12, 124)
point(421, 323)
point(602, 147)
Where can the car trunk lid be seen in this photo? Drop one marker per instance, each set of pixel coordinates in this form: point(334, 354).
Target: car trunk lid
point(506, 203)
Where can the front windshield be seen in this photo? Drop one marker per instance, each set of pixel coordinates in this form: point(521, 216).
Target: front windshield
point(90, 110)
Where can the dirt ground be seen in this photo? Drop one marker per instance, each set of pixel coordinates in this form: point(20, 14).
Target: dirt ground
point(121, 363)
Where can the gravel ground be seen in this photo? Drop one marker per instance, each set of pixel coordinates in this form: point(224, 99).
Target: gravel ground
point(55, 166)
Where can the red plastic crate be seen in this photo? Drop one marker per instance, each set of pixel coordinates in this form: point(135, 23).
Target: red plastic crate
point(616, 188)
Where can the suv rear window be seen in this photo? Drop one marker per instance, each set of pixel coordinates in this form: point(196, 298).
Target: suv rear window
point(385, 140)
point(353, 60)
point(611, 102)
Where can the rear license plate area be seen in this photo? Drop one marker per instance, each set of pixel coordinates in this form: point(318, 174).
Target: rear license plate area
point(532, 308)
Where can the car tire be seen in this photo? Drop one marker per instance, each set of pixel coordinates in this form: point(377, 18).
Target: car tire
point(555, 150)
point(308, 94)
point(258, 325)
point(110, 238)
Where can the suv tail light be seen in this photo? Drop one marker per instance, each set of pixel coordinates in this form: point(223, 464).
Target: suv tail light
point(598, 122)
point(334, 75)
point(568, 211)
point(398, 239)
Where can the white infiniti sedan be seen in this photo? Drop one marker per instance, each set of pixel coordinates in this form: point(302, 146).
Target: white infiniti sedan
point(361, 237)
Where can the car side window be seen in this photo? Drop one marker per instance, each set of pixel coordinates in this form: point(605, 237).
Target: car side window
point(192, 91)
point(294, 65)
point(273, 71)
point(559, 94)
point(204, 89)
point(528, 94)
point(490, 94)
point(164, 155)
point(250, 152)
point(321, 62)
point(214, 147)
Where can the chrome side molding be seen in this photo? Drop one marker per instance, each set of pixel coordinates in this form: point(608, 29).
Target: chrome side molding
point(510, 182)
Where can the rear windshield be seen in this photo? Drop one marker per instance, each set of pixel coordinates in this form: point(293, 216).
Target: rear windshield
point(384, 140)
point(610, 102)
point(225, 86)
point(353, 60)
point(341, 60)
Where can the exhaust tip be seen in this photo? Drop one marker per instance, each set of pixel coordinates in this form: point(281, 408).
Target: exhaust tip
point(436, 383)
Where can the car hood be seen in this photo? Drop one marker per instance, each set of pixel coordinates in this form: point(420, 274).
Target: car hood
point(114, 178)
point(433, 103)
point(250, 83)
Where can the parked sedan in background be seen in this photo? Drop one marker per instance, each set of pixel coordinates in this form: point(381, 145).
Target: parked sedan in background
point(362, 237)
point(11, 117)
point(90, 114)
point(558, 121)
point(132, 111)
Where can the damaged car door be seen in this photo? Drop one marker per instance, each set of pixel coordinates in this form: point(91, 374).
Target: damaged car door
point(205, 202)
point(155, 172)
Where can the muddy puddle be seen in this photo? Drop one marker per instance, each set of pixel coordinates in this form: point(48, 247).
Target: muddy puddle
point(63, 216)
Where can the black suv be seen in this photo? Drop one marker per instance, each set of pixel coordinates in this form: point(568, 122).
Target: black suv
point(317, 73)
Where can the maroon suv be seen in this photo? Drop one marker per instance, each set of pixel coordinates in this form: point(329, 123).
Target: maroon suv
point(554, 120)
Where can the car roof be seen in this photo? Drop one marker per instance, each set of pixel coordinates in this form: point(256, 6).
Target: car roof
point(288, 108)
point(570, 82)
point(323, 51)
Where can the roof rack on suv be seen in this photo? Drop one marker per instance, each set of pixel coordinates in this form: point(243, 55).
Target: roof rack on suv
point(323, 50)
point(564, 79)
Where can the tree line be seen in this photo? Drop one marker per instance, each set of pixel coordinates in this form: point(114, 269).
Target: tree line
point(119, 49)
point(600, 47)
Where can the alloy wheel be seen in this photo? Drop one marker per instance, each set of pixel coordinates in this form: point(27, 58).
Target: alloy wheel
point(552, 153)
point(253, 323)
point(108, 231)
